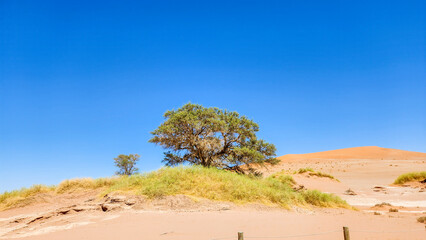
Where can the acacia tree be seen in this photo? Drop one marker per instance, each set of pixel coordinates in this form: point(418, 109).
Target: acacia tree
point(126, 164)
point(212, 137)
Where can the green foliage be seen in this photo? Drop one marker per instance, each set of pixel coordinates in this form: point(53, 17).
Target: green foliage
point(126, 164)
point(409, 177)
point(212, 137)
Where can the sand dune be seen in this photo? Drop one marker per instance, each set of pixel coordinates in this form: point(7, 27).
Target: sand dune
point(368, 171)
point(370, 152)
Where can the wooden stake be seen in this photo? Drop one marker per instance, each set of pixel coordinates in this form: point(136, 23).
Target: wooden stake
point(240, 236)
point(346, 233)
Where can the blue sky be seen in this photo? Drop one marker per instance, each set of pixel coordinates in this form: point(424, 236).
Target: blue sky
point(83, 82)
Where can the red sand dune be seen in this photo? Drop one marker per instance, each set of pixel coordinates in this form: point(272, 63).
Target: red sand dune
point(370, 152)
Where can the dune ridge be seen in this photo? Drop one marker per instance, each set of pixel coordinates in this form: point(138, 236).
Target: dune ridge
point(368, 152)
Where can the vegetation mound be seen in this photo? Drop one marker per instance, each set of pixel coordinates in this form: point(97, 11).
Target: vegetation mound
point(410, 177)
point(23, 196)
point(199, 182)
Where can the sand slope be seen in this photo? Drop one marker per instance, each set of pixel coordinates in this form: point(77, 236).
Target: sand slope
point(370, 152)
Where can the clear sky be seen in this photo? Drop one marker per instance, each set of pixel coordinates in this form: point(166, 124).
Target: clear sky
point(84, 81)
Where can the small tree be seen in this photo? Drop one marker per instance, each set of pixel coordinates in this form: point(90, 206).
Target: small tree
point(126, 164)
point(212, 137)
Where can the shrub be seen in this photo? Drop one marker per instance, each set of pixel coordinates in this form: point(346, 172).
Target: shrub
point(126, 164)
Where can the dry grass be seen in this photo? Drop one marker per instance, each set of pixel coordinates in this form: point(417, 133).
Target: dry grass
point(85, 184)
point(312, 172)
point(21, 197)
point(383, 204)
point(409, 177)
point(25, 196)
point(209, 183)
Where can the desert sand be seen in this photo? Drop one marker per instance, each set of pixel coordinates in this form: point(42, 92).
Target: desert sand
point(367, 171)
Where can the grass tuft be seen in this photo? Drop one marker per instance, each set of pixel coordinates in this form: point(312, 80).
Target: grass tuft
point(320, 199)
point(303, 170)
point(409, 177)
point(312, 172)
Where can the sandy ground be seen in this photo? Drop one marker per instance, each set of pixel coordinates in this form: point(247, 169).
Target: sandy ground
point(128, 217)
point(226, 224)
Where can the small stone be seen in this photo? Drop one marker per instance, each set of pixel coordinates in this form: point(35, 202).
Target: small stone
point(224, 207)
point(298, 187)
point(350, 192)
point(130, 202)
point(116, 199)
point(106, 207)
point(393, 210)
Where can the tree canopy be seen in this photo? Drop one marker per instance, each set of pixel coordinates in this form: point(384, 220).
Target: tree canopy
point(212, 137)
point(126, 164)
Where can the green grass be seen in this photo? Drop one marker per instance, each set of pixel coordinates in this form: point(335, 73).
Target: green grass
point(199, 182)
point(312, 172)
point(409, 177)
